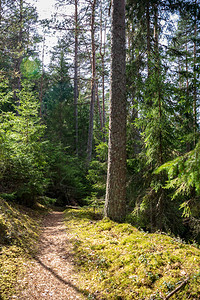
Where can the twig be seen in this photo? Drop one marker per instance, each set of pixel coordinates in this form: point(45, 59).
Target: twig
point(177, 289)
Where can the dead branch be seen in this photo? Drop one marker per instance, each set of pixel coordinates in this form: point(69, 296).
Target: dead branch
point(177, 288)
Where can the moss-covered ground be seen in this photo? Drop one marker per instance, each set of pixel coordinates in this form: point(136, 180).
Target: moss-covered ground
point(117, 261)
point(18, 241)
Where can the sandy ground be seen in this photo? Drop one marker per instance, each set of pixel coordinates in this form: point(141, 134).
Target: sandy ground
point(51, 274)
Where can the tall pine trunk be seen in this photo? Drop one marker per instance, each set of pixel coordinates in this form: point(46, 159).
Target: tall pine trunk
point(195, 78)
point(188, 144)
point(148, 38)
point(99, 108)
point(157, 73)
point(161, 195)
point(115, 204)
point(76, 76)
point(42, 79)
point(0, 12)
point(93, 86)
point(102, 54)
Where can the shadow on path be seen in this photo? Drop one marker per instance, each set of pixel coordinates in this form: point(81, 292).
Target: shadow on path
point(83, 292)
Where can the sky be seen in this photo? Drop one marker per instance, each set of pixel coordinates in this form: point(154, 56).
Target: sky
point(45, 8)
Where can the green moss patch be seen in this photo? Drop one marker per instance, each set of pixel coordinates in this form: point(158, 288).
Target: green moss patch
point(117, 261)
point(18, 240)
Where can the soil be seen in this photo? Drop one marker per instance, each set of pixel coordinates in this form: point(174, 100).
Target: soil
point(51, 273)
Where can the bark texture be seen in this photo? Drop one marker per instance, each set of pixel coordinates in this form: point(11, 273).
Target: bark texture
point(42, 79)
point(102, 54)
point(93, 85)
point(195, 78)
point(148, 38)
point(19, 57)
point(115, 205)
point(76, 76)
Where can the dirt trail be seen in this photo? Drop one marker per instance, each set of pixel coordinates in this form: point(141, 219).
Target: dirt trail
point(51, 274)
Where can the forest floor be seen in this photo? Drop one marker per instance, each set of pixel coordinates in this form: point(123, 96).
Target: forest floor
point(77, 254)
point(51, 273)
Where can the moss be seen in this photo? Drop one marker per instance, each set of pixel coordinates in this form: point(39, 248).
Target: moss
point(18, 241)
point(121, 262)
point(12, 265)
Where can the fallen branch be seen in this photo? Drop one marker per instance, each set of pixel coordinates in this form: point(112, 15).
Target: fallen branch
point(178, 288)
point(72, 207)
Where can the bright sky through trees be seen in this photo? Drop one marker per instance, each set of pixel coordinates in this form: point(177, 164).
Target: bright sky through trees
point(44, 8)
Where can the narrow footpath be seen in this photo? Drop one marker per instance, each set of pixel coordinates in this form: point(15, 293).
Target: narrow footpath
point(51, 274)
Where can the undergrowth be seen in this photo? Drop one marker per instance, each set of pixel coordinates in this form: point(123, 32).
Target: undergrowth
point(18, 240)
point(117, 261)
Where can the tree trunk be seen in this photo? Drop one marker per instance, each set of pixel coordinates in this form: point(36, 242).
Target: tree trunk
point(76, 77)
point(188, 145)
point(20, 44)
point(148, 39)
point(103, 98)
point(195, 79)
point(42, 79)
point(93, 87)
point(0, 12)
point(99, 108)
point(102, 54)
point(157, 70)
point(161, 193)
point(115, 205)
point(19, 58)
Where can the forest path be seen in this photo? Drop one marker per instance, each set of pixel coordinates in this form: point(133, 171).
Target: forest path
point(51, 274)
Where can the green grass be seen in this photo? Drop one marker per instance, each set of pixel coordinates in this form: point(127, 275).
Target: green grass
point(18, 241)
point(117, 261)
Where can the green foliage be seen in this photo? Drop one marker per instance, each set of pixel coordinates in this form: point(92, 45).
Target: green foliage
point(184, 186)
point(23, 161)
point(5, 94)
point(66, 175)
point(184, 180)
point(58, 103)
point(102, 151)
point(93, 201)
point(30, 68)
point(183, 173)
point(97, 177)
point(9, 197)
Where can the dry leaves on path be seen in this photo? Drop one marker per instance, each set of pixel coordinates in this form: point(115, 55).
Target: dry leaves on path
point(51, 275)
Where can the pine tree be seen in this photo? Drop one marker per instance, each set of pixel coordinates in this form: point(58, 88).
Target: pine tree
point(115, 205)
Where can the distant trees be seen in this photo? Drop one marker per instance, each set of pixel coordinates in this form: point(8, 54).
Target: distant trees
point(93, 82)
point(85, 36)
point(76, 34)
